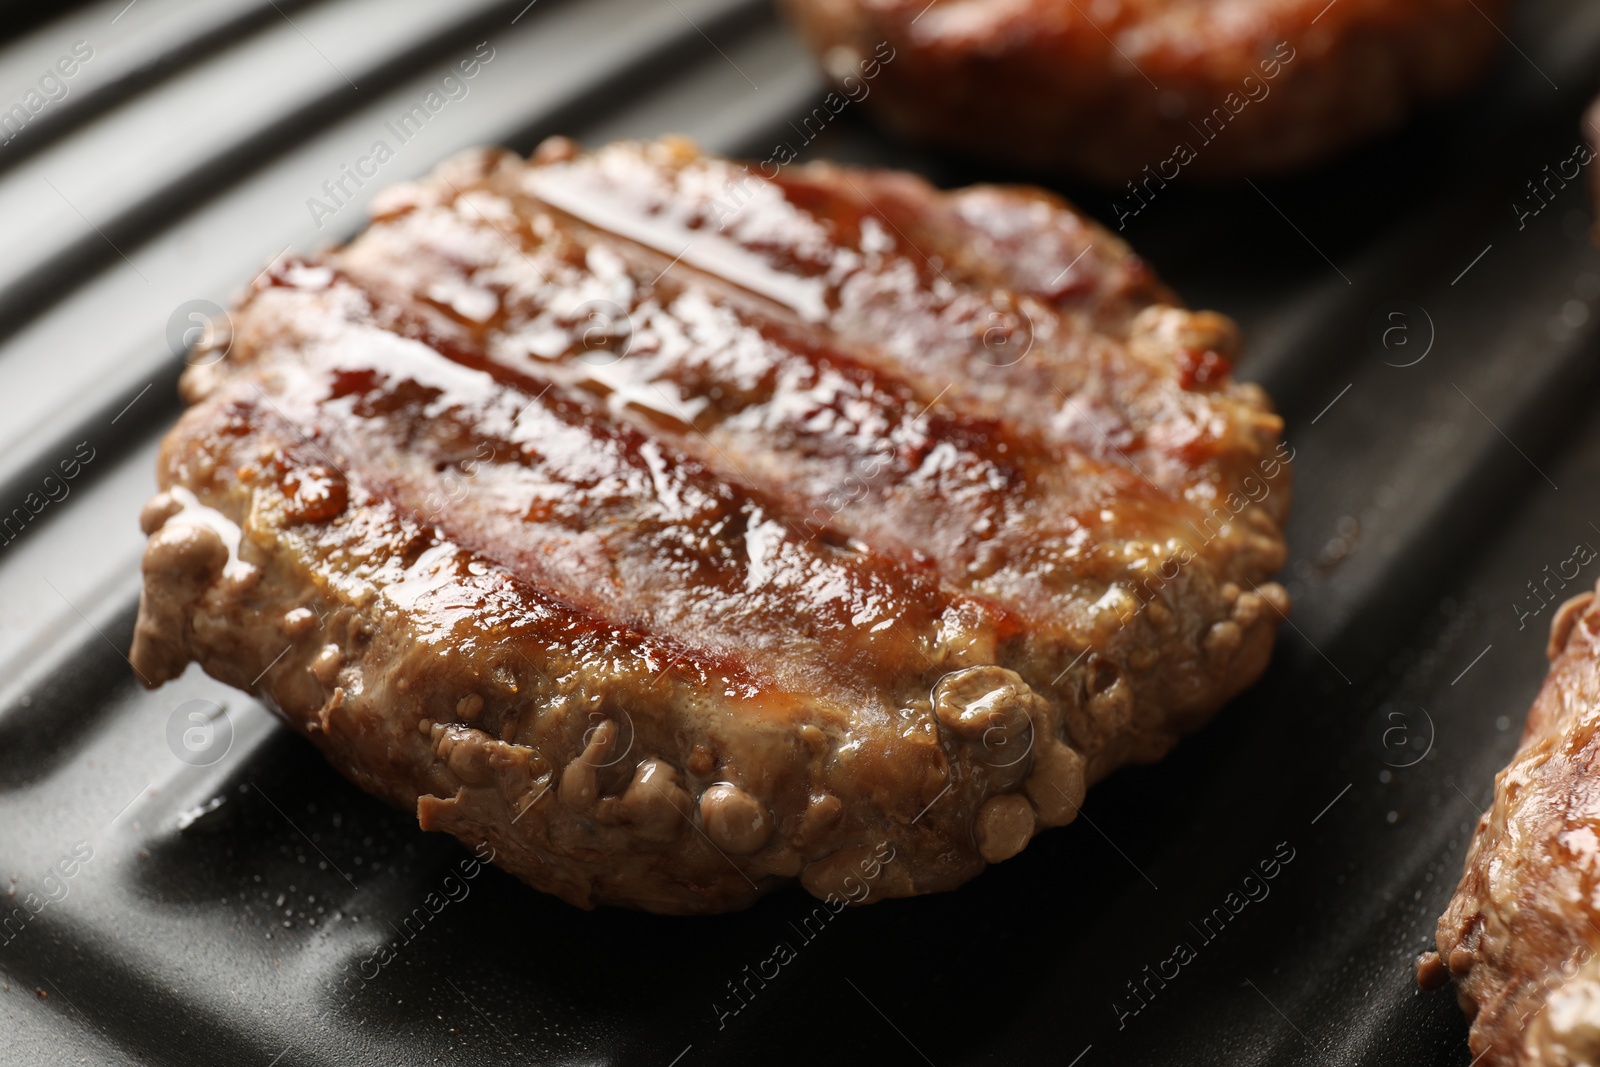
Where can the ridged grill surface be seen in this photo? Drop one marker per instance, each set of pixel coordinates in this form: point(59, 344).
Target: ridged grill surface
point(259, 907)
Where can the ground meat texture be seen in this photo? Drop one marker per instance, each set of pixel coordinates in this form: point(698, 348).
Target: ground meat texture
point(682, 533)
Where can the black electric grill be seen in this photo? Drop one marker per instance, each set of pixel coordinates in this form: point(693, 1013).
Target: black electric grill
point(1428, 335)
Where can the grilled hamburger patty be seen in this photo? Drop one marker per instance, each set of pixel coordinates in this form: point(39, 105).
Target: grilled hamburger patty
point(1521, 934)
point(680, 532)
point(1108, 88)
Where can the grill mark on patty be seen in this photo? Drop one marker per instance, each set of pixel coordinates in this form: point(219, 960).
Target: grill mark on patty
point(998, 512)
point(613, 521)
point(917, 308)
point(375, 541)
point(843, 447)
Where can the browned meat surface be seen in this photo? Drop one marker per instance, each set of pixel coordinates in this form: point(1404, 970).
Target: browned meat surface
point(1520, 935)
point(681, 533)
point(1108, 88)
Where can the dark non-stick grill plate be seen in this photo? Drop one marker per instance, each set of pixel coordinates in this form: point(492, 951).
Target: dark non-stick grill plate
point(1425, 323)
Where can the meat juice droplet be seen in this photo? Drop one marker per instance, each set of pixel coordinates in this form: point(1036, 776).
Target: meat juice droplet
point(314, 494)
point(1199, 368)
